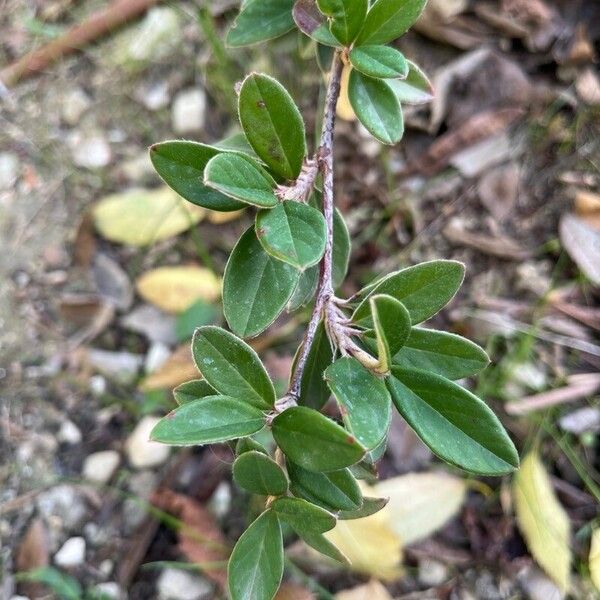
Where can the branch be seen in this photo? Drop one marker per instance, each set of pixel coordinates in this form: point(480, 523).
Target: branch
point(325, 286)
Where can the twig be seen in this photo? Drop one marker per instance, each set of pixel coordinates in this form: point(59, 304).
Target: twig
point(74, 39)
point(325, 286)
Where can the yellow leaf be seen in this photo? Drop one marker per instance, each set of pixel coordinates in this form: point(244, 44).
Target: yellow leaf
point(369, 591)
point(219, 218)
point(141, 217)
point(595, 558)
point(178, 369)
point(420, 503)
point(344, 108)
point(175, 289)
point(542, 520)
point(370, 545)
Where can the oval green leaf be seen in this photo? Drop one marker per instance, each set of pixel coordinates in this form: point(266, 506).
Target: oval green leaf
point(259, 474)
point(273, 124)
point(376, 107)
point(260, 21)
point(241, 178)
point(256, 564)
point(415, 89)
point(208, 421)
point(193, 390)
point(293, 232)
point(392, 325)
point(369, 507)
point(302, 516)
point(230, 366)
point(321, 544)
point(346, 17)
point(364, 400)
point(445, 354)
point(256, 287)
point(383, 62)
point(334, 491)
point(311, 22)
point(456, 425)
point(305, 290)
point(423, 289)
point(315, 442)
point(181, 165)
point(388, 20)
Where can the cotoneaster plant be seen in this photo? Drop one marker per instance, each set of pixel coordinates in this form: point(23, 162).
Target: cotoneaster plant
point(368, 351)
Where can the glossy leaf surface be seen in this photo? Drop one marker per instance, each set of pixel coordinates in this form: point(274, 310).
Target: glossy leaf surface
point(248, 444)
point(456, 425)
point(311, 22)
point(364, 400)
point(259, 474)
point(415, 89)
point(346, 17)
point(315, 442)
point(193, 390)
point(383, 62)
point(181, 165)
point(369, 507)
point(376, 107)
point(230, 366)
point(293, 232)
point(256, 287)
point(273, 124)
point(241, 178)
point(261, 20)
point(303, 516)
point(208, 421)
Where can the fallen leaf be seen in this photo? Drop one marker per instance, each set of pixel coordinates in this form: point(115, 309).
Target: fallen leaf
point(595, 558)
point(583, 245)
point(112, 281)
point(141, 217)
point(175, 289)
point(587, 206)
point(201, 540)
point(33, 553)
point(498, 190)
point(293, 591)
point(420, 503)
point(219, 218)
point(177, 369)
point(373, 590)
point(542, 520)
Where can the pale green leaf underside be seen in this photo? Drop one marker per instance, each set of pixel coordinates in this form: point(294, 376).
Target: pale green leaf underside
point(261, 20)
point(383, 62)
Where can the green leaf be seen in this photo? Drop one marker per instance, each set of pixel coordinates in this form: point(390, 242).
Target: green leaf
point(63, 585)
point(445, 354)
point(199, 313)
point(232, 367)
point(415, 89)
point(314, 392)
point(302, 516)
point(305, 290)
point(364, 401)
point(315, 442)
point(236, 142)
point(369, 507)
point(208, 421)
point(293, 232)
point(193, 390)
point(376, 107)
point(391, 322)
point(256, 565)
point(423, 289)
point(346, 17)
point(248, 444)
point(456, 425)
point(256, 287)
point(320, 543)
point(383, 62)
point(181, 166)
point(311, 22)
point(273, 124)
point(259, 474)
point(388, 20)
point(241, 178)
point(259, 21)
point(334, 491)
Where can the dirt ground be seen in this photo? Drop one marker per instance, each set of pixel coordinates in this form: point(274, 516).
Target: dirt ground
point(501, 171)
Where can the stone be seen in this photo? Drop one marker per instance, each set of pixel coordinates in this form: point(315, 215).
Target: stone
point(153, 96)
point(112, 281)
point(97, 385)
point(90, 150)
point(156, 357)
point(64, 503)
point(220, 502)
point(9, 170)
point(71, 553)
point(432, 573)
point(188, 112)
point(99, 467)
point(537, 586)
point(151, 322)
point(69, 433)
point(174, 584)
point(122, 367)
point(74, 103)
point(110, 590)
point(141, 452)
